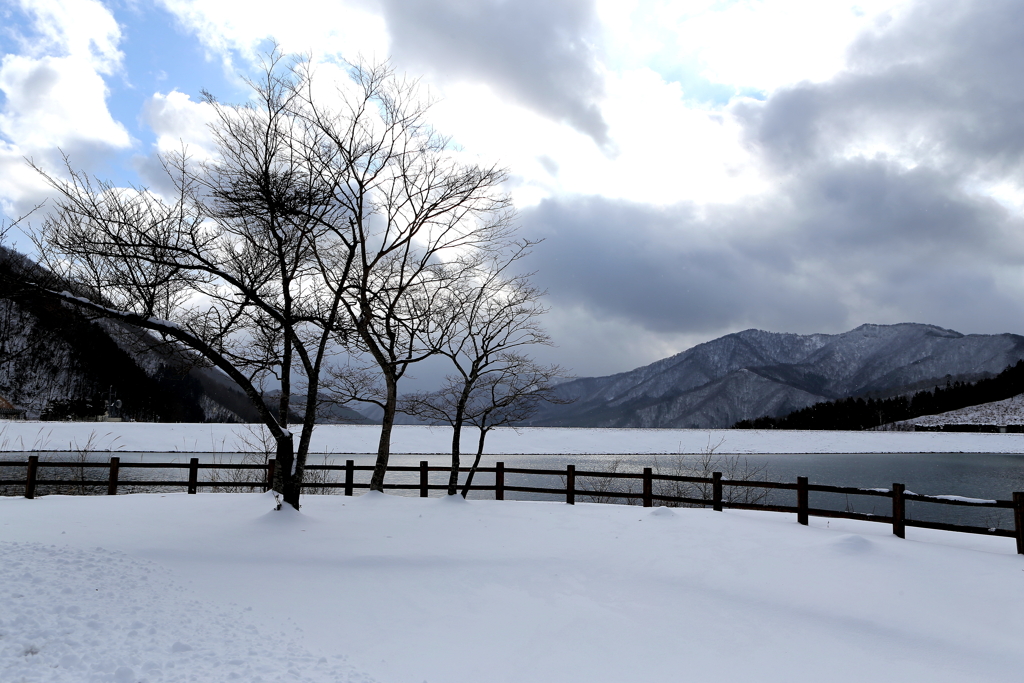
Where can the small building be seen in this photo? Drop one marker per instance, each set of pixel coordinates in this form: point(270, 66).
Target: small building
point(9, 411)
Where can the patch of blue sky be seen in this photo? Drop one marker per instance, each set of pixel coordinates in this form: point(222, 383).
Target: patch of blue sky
point(701, 91)
point(160, 57)
point(17, 34)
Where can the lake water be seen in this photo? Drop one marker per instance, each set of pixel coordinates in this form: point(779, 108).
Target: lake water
point(990, 476)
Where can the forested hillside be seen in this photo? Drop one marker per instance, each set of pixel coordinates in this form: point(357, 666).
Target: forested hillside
point(858, 413)
point(58, 364)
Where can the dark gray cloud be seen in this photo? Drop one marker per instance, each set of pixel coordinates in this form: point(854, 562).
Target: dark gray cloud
point(877, 217)
point(943, 84)
point(539, 52)
point(843, 244)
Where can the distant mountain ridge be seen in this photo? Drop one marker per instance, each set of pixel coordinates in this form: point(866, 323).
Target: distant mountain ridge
point(755, 373)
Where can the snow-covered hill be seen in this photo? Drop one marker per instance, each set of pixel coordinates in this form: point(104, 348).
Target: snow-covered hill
point(998, 413)
point(55, 359)
point(53, 356)
point(754, 373)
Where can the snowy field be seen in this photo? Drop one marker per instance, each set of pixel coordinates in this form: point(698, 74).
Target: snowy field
point(222, 438)
point(218, 587)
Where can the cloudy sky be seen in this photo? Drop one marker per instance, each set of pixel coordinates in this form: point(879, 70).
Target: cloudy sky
point(695, 168)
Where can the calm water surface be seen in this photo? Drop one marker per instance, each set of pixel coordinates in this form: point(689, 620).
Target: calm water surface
point(989, 476)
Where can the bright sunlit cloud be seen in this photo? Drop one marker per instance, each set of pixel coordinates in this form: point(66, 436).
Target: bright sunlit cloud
point(318, 27)
point(759, 45)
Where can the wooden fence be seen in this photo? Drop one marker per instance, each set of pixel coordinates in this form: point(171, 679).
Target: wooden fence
point(898, 494)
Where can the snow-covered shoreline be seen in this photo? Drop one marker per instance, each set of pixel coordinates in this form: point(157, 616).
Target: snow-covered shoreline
point(224, 438)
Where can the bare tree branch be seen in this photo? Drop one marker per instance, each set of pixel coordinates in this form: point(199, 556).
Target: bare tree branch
point(418, 220)
point(494, 316)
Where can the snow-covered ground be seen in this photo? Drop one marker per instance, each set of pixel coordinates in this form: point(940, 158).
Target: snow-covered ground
point(218, 587)
point(223, 438)
point(1006, 412)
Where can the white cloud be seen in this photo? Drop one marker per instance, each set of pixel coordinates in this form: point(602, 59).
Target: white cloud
point(55, 95)
point(666, 150)
point(759, 44)
point(82, 29)
point(55, 92)
point(56, 102)
point(176, 119)
point(670, 151)
point(20, 189)
point(324, 27)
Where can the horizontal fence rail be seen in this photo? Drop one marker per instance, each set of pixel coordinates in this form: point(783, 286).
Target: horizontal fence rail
point(568, 478)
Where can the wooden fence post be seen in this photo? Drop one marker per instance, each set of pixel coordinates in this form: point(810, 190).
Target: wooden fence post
point(801, 500)
point(424, 478)
point(350, 474)
point(570, 484)
point(193, 475)
point(899, 511)
point(1018, 520)
point(499, 481)
point(716, 491)
point(115, 465)
point(648, 488)
point(271, 470)
point(30, 476)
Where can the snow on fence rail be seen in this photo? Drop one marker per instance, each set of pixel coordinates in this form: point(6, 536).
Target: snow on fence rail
point(263, 476)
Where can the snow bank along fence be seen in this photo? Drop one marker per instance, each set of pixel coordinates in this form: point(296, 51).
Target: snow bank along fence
point(263, 475)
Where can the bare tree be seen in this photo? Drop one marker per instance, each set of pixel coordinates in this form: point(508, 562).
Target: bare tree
point(244, 265)
point(509, 398)
point(418, 218)
point(494, 314)
point(507, 392)
point(331, 218)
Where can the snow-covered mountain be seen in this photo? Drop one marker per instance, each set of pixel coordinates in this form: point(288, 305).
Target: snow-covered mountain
point(754, 373)
point(54, 360)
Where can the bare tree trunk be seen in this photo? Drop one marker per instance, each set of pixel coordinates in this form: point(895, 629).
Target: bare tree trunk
point(460, 412)
point(384, 446)
point(286, 483)
point(476, 462)
point(287, 465)
point(308, 423)
point(453, 477)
